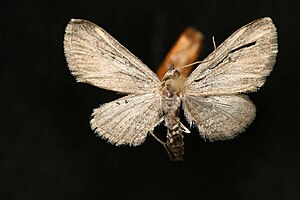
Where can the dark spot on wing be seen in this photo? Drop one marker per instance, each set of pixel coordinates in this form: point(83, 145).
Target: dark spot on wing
point(231, 52)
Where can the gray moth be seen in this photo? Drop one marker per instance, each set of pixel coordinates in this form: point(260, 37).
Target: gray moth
point(211, 96)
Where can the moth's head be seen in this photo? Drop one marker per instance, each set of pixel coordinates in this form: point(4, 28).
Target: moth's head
point(172, 73)
point(171, 81)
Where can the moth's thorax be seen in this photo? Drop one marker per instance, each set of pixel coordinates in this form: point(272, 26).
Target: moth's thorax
point(171, 91)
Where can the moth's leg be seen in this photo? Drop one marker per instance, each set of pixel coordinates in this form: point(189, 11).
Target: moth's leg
point(160, 121)
point(164, 145)
point(184, 129)
point(161, 142)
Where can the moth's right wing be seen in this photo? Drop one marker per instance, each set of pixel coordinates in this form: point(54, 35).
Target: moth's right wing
point(97, 58)
point(127, 120)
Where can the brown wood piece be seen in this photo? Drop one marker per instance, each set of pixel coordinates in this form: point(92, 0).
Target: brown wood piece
point(185, 51)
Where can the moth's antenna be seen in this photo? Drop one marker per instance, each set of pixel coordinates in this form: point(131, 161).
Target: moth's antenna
point(200, 62)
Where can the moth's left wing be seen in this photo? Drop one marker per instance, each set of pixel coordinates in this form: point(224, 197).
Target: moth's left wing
point(219, 117)
point(240, 64)
point(97, 58)
point(127, 120)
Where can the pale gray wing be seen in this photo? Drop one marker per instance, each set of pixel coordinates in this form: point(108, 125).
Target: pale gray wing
point(240, 64)
point(219, 117)
point(97, 58)
point(127, 120)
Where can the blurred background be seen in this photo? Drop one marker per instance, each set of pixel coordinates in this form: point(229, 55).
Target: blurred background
point(48, 151)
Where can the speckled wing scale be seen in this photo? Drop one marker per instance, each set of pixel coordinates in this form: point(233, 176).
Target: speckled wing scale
point(210, 96)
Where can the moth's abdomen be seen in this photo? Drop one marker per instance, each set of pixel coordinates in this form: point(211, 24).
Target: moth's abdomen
point(176, 147)
point(174, 142)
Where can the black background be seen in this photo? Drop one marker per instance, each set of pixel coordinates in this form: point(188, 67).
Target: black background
point(48, 150)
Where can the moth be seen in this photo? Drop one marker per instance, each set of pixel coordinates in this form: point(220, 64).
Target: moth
point(211, 96)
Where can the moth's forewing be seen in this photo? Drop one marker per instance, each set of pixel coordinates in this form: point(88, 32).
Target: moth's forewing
point(240, 64)
point(97, 58)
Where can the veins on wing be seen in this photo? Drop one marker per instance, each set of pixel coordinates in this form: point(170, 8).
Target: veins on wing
point(228, 56)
